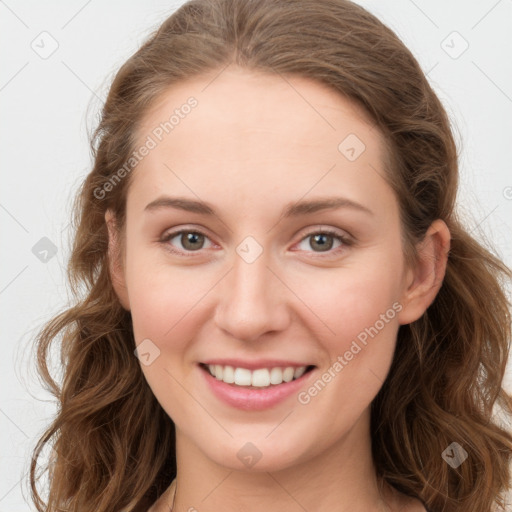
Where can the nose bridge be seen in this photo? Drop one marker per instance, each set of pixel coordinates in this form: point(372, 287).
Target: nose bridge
point(251, 301)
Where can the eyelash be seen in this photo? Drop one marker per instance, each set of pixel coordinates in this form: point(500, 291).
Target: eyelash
point(329, 232)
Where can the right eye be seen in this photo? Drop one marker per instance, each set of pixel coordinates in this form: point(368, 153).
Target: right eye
point(190, 240)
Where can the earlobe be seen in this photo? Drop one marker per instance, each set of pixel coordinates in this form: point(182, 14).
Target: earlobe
point(425, 280)
point(115, 262)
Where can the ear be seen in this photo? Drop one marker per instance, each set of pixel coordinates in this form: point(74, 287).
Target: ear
point(423, 282)
point(116, 266)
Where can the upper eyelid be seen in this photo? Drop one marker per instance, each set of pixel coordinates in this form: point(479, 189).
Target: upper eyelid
point(314, 230)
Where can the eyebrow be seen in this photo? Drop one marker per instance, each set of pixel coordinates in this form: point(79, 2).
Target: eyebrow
point(294, 209)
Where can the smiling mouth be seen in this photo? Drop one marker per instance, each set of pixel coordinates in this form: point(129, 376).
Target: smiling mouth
point(258, 378)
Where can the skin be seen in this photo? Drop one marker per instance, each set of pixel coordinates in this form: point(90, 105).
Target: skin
point(254, 144)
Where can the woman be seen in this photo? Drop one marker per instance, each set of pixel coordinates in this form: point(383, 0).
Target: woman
point(282, 310)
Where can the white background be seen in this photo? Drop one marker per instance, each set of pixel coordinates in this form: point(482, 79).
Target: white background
point(49, 105)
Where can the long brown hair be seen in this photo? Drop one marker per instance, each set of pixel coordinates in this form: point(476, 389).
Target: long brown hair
point(113, 445)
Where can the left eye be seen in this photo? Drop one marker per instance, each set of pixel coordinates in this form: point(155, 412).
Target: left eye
point(324, 240)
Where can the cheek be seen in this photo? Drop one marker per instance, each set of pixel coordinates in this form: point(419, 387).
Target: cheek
point(163, 303)
point(346, 301)
point(358, 308)
point(165, 308)
point(361, 312)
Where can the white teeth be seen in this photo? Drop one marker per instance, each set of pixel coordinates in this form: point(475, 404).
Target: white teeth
point(261, 378)
point(242, 377)
point(299, 372)
point(228, 375)
point(218, 371)
point(288, 374)
point(276, 376)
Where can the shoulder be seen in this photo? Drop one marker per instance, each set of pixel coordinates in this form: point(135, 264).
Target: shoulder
point(146, 505)
point(162, 503)
point(416, 506)
point(150, 505)
point(410, 504)
point(399, 502)
point(157, 506)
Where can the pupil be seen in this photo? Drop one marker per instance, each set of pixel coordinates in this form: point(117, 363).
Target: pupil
point(322, 244)
point(191, 239)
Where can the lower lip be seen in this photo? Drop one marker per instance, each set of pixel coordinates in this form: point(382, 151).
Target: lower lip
point(251, 399)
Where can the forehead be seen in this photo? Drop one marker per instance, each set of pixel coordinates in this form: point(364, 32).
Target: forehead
point(249, 131)
point(250, 101)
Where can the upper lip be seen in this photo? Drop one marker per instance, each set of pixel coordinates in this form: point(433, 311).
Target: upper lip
point(255, 364)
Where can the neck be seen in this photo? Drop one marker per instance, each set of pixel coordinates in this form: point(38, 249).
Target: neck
point(341, 479)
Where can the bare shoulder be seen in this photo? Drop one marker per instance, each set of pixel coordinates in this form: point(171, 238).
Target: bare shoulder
point(162, 503)
point(148, 506)
point(159, 505)
point(400, 502)
point(411, 505)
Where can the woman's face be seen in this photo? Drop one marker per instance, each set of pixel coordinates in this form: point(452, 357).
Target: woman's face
point(262, 277)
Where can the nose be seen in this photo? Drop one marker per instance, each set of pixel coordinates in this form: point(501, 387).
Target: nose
point(252, 300)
